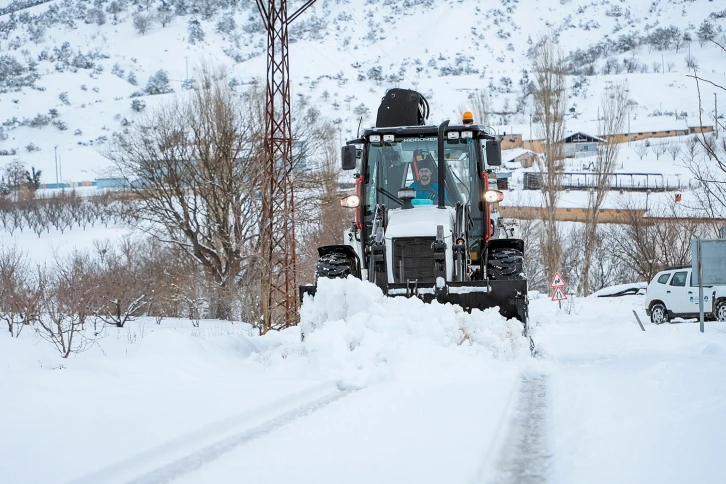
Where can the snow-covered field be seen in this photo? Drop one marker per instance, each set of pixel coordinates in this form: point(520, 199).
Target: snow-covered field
point(380, 390)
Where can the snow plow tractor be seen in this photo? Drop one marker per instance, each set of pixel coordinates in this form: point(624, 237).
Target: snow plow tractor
point(423, 213)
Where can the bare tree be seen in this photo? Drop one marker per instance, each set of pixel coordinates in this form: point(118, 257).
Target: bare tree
point(614, 107)
point(692, 148)
point(659, 239)
point(142, 23)
point(325, 220)
point(641, 149)
point(194, 171)
point(550, 98)
point(64, 310)
point(480, 105)
point(21, 292)
point(674, 149)
point(707, 143)
point(660, 149)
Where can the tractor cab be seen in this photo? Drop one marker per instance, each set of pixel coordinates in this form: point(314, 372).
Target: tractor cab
point(404, 164)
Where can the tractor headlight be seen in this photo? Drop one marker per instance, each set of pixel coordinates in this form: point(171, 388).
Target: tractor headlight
point(389, 138)
point(374, 138)
point(493, 196)
point(351, 201)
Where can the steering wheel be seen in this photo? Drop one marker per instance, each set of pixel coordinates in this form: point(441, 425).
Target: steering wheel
point(428, 191)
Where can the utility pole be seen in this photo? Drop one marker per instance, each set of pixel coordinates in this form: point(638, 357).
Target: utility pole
point(530, 130)
point(629, 135)
point(186, 63)
point(57, 178)
point(279, 291)
point(715, 116)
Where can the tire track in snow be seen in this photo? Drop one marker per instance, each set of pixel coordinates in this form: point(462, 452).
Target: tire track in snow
point(175, 459)
point(210, 453)
point(525, 455)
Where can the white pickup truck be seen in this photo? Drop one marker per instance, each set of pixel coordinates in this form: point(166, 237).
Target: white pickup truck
point(672, 294)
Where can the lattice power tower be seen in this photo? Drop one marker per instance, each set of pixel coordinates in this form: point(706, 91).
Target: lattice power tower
point(278, 278)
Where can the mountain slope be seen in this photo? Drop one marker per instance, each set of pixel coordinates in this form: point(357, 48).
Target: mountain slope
point(75, 57)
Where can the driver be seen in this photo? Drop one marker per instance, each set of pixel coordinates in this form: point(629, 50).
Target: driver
point(424, 172)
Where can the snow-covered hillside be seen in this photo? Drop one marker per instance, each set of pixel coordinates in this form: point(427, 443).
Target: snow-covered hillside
point(72, 68)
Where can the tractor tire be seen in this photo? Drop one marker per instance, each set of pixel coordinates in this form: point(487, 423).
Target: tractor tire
point(334, 265)
point(505, 264)
point(658, 313)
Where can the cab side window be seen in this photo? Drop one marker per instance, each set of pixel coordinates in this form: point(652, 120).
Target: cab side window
point(679, 279)
point(664, 278)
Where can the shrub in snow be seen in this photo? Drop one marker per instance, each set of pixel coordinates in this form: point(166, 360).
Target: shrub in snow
point(13, 75)
point(196, 34)
point(142, 23)
point(165, 14)
point(64, 98)
point(117, 71)
point(95, 16)
point(61, 125)
point(31, 147)
point(691, 62)
point(158, 83)
point(226, 25)
point(131, 79)
point(138, 105)
point(80, 61)
point(706, 32)
point(78, 132)
point(39, 121)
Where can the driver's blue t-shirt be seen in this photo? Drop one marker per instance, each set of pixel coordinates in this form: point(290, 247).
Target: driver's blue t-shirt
point(431, 192)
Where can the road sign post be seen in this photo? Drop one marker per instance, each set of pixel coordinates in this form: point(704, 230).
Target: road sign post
point(708, 262)
point(558, 285)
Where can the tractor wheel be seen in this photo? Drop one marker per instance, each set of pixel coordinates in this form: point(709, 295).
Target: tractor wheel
point(505, 264)
point(334, 265)
point(720, 313)
point(658, 314)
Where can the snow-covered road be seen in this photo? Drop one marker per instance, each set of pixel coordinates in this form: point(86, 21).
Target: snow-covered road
point(414, 431)
point(383, 391)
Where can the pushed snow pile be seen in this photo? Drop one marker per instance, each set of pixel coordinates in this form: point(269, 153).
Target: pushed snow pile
point(354, 333)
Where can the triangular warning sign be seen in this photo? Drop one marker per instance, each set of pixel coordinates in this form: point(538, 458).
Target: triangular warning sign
point(558, 281)
point(559, 295)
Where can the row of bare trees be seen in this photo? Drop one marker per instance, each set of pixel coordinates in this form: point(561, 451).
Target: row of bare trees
point(61, 211)
point(109, 286)
point(633, 250)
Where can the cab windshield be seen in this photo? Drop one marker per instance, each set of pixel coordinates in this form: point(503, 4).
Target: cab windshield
point(413, 162)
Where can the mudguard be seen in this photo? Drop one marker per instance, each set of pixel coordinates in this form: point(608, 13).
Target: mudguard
point(505, 244)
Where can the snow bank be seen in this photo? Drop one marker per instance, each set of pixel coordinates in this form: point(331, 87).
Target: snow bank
point(354, 333)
